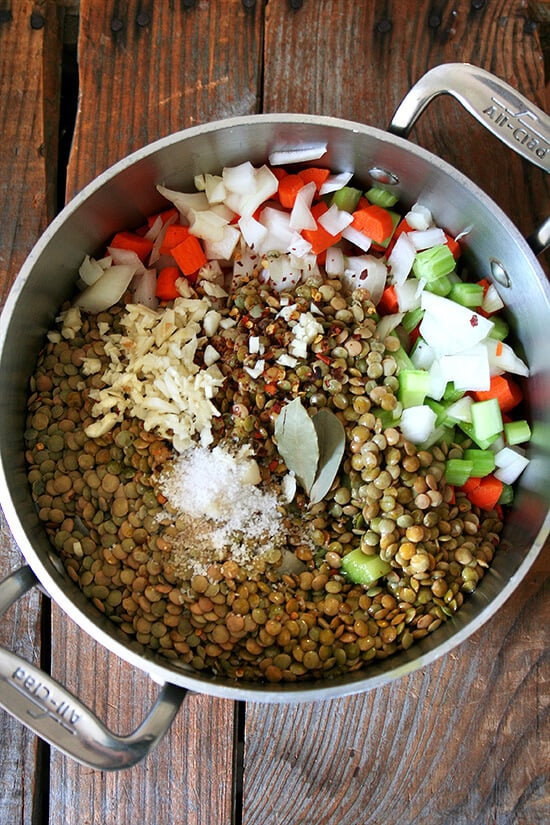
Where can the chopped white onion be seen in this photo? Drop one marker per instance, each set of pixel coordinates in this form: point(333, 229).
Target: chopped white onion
point(502, 358)
point(300, 216)
point(105, 292)
point(223, 248)
point(492, 302)
point(90, 270)
point(335, 182)
point(468, 369)
point(461, 410)
point(252, 231)
point(127, 257)
point(239, 179)
point(367, 272)
point(207, 225)
point(159, 240)
point(408, 294)
point(401, 258)
point(427, 238)
point(214, 188)
point(302, 154)
point(154, 229)
point(358, 238)
point(387, 324)
point(417, 423)
point(144, 288)
point(449, 327)
point(419, 217)
point(185, 201)
point(335, 220)
point(298, 245)
point(265, 185)
point(422, 355)
point(510, 463)
point(334, 263)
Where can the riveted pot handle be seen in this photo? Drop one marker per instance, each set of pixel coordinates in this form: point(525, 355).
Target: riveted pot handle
point(506, 113)
point(54, 714)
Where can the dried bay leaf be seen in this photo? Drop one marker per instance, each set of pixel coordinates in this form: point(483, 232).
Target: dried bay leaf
point(297, 442)
point(331, 438)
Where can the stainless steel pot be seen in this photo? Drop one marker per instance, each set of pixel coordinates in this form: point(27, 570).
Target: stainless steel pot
point(121, 197)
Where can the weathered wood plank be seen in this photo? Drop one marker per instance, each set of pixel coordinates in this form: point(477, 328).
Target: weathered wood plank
point(373, 53)
point(465, 740)
point(145, 70)
point(24, 185)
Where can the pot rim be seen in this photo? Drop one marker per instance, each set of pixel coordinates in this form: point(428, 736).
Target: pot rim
point(53, 581)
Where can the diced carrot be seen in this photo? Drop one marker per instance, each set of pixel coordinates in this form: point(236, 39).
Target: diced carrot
point(319, 238)
point(165, 216)
point(388, 304)
point(487, 493)
point(278, 171)
point(374, 221)
point(471, 484)
point(174, 235)
point(414, 334)
point(189, 255)
point(315, 174)
point(289, 186)
point(454, 246)
point(132, 241)
point(166, 289)
point(485, 284)
point(504, 389)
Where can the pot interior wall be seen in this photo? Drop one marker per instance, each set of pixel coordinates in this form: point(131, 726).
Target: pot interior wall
point(124, 195)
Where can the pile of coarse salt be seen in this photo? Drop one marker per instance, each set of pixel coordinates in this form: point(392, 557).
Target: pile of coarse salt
point(215, 493)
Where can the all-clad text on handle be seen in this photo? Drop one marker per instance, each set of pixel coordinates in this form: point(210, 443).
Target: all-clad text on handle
point(54, 714)
point(500, 108)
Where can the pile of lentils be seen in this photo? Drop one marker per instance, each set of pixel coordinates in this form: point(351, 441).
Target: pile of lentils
point(268, 621)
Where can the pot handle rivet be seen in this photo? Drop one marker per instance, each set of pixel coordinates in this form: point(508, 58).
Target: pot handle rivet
point(57, 716)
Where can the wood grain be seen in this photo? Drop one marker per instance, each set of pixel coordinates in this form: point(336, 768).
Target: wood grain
point(23, 187)
point(140, 78)
point(464, 741)
point(373, 53)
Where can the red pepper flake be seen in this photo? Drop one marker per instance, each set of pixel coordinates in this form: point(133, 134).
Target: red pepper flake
point(270, 388)
point(273, 465)
point(324, 358)
point(474, 320)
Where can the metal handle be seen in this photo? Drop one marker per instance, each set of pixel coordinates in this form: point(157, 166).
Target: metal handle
point(54, 714)
point(505, 112)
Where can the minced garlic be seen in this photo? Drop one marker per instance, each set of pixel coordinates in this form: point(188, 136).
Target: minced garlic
point(152, 374)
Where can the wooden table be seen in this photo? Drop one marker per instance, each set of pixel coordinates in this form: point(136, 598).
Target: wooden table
point(464, 741)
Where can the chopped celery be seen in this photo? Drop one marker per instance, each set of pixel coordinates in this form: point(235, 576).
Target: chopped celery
point(482, 443)
point(440, 286)
point(441, 412)
point(451, 393)
point(507, 495)
point(413, 386)
point(500, 328)
point(381, 197)
point(388, 418)
point(346, 198)
point(486, 419)
point(458, 471)
point(433, 263)
point(483, 461)
point(516, 432)
point(469, 295)
point(363, 569)
point(403, 360)
point(443, 434)
point(412, 318)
